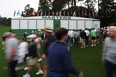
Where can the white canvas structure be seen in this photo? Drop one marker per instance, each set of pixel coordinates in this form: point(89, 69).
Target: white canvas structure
point(39, 22)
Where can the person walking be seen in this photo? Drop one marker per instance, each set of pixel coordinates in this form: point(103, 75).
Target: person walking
point(32, 58)
point(22, 53)
point(11, 51)
point(49, 38)
point(59, 61)
point(109, 52)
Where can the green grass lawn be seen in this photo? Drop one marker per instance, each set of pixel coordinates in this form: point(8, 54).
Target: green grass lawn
point(88, 60)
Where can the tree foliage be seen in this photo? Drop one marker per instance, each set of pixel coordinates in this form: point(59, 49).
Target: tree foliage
point(107, 12)
point(106, 8)
point(46, 6)
point(5, 21)
point(60, 5)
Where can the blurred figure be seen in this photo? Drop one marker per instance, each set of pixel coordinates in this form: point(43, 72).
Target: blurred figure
point(109, 52)
point(76, 37)
point(68, 42)
point(3, 41)
point(33, 35)
point(87, 36)
point(59, 61)
point(32, 58)
point(71, 34)
point(83, 37)
point(13, 35)
point(25, 35)
point(11, 50)
point(42, 35)
point(22, 52)
point(48, 40)
point(93, 37)
point(101, 35)
point(105, 33)
point(98, 35)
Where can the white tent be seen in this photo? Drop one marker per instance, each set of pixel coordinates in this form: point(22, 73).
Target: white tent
point(54, 22)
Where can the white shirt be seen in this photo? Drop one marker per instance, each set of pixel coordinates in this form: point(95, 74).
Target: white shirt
point(9, 44)
point(71, 33)
point(22, 48)
point(87, 32)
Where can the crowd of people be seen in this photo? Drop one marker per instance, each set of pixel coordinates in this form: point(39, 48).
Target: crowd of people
point(24, 53)
point(86, 37)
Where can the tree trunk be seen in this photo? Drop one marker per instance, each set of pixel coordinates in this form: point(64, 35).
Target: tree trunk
point(75, 3)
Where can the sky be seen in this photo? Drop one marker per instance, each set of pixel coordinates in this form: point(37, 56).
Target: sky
point(7, 7)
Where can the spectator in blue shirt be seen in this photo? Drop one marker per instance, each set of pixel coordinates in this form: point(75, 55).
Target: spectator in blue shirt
point(59, 60)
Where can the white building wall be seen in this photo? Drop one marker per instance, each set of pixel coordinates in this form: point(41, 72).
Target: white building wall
point(32, 24)
point(23, 24)
point(40, 24)
point(64, 23)
point(72, 24)
point(88, 24)
point(15, 24)
point(96, 24)
point(81, 24)
point(49, 23)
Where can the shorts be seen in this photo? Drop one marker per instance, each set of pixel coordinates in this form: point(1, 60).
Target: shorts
point(83, 37)
point(32, 61)
point(93, 38)
point(83, 40)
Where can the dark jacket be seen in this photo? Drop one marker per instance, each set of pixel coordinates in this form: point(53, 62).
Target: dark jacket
point(83, 35)
point(47, 42)
point(33, 50)
point(59, 61)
